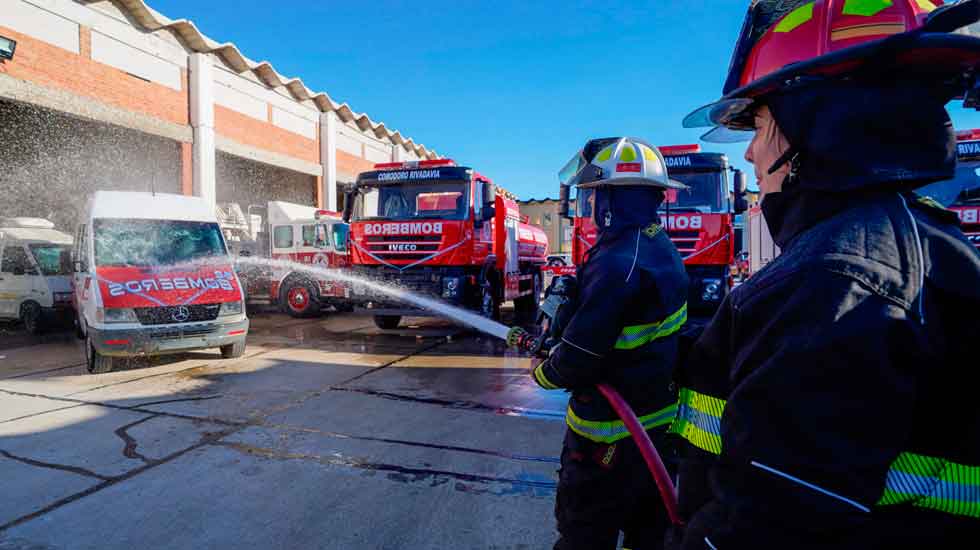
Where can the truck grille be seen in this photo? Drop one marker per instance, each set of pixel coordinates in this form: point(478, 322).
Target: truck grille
point(175, 314)
point(685, 241)
point(424, 280)
point(972, 232)
point(182, 332)
point(404, 247)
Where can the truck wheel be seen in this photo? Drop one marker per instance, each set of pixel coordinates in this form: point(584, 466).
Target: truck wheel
point(300, 299)
point(527, 306)
point(489, 305)
point(232, 351)
point(96, 362)
point(387, 322)
point(30, 315)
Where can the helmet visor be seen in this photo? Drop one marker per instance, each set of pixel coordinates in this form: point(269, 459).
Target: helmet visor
point(722, 134)
point(569, 175)
point(733, 113)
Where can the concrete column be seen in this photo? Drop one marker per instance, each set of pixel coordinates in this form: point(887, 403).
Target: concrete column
point(397, 152)
point(202, 122)
point(328, 158)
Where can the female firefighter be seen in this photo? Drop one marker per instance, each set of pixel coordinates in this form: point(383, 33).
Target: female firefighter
point(621, 330)
point(829, 403)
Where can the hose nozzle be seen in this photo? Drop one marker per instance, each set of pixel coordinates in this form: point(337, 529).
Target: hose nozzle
point(516, 336)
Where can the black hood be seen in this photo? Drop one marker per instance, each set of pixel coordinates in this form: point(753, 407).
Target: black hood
point(626, 207)
point(852, 135)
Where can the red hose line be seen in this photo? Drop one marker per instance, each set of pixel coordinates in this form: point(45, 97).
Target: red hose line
point(656, 466)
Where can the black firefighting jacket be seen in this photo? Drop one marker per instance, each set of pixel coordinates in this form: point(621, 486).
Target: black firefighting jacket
point(631, 303)
point(832, 402)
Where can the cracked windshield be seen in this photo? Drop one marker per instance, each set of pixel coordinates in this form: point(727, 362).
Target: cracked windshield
point(489, 275)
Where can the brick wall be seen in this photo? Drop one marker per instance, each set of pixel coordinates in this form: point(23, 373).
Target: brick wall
point(264, 135)
point(48, 65)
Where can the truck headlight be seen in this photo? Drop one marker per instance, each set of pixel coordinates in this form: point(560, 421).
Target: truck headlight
point(116, 315)
point(712, 290)
point(450, 287)
point(230, 308)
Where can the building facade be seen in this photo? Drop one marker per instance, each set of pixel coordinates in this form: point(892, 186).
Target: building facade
point(110, 94)
point(544, 214)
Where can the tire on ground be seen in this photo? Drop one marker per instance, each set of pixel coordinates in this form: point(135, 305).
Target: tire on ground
point(387, 322)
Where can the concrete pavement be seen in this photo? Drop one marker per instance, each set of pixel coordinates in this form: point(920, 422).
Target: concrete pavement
point(328, 433)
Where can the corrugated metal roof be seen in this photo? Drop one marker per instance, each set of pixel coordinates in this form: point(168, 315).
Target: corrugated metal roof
point(151, 20)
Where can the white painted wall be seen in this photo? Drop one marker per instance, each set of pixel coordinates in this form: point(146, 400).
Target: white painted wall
point(377, 152)
point(230, 97)
point(112, 52)
point(245, 94)
point(301, 125)
point(39, 23)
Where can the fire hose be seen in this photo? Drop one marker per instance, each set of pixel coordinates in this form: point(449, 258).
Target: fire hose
point(520, 339)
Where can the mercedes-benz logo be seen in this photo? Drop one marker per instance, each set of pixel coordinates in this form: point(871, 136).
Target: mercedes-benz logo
point(181, 314)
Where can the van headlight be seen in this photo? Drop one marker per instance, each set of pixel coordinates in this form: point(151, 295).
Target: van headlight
point(230, 308)
point(116, 315)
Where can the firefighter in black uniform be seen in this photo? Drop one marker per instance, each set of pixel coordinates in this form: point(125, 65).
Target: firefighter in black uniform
point(622, 331)
point(832, 400)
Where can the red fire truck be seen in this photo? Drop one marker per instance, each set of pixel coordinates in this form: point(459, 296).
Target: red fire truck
point(295, 233)
point(443, 230)
point(960, 194)
point(963, 195)
point(700, 221)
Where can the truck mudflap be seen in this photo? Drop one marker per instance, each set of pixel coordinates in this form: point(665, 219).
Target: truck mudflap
point(164, 339)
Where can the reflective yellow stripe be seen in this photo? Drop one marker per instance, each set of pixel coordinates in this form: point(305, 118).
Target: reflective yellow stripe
point(542, 379)
point(628, 154)
point(866, 8)
point(614, 430)
point(795, 18)
point(604, 155)
point(925, 5)
point(635, 336)
point(933, 483)
point(699, 420)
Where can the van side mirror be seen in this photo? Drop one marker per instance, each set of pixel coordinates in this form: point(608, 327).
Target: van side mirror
point(18, 270)
point(79, 266)
point(741, 203)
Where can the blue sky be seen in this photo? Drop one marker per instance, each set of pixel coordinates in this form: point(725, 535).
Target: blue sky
point(512, 89)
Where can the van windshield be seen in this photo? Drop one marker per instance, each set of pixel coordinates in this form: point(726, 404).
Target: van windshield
point(122, 242)
point(53, 259)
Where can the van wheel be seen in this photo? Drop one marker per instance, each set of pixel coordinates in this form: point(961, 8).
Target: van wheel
point(232, 351)
point(30, 315)
point(387, 322)
point(96, 362)
point(79, 329)
point(300, 299)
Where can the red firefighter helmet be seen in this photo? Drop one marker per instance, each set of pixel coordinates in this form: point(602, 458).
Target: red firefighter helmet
point(787, 43)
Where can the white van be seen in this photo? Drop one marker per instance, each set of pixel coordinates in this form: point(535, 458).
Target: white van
point(153, 276)
point(35, 273)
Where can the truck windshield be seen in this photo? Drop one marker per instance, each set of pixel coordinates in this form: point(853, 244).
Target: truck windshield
point(964, 188)
point(444, 200)
point(53, 259)
point(340, 231)
point(704, 194)
point(123, 242)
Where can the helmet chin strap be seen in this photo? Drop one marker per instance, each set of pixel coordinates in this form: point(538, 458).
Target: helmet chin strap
point(792, 156)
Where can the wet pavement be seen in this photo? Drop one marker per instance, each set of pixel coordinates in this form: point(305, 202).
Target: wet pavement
point(328, 433)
